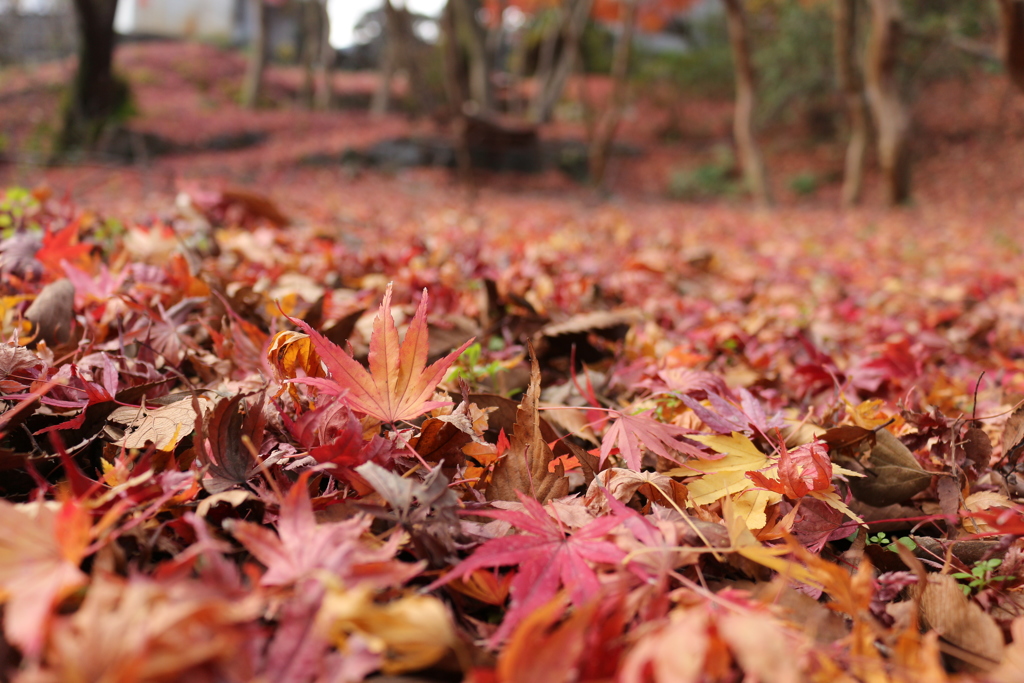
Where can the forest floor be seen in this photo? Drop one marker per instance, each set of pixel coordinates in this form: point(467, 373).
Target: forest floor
point(767, 416)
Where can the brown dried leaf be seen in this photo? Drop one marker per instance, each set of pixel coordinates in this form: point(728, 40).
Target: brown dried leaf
point(596, 320)
point(976, 638)
point(164, 426)
point(53, 311)
point(220, 444)
point(1013, 436)
point(525, 465)
point(622, 484)
point(949, 496)
point(978, 447)
point(847, 436)
point(892, 475)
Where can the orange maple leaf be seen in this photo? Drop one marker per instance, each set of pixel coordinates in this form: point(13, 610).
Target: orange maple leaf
point(399, 383)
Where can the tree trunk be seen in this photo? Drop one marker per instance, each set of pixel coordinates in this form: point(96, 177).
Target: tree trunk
point(852, 89)
point(310, 50)
point(1012, 40)
point(551, 85)
point(604, 132)
point(455, 88)
point(389, 61)
point(258, 49)
point(325, 61)
point(892, 121)
point(746, 100)
point(96, 94)
point(471, 37)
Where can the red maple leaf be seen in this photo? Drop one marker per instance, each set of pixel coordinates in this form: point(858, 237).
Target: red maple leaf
point(629, 430)
point(63, 245)
point(399, 384)
point(801, 471)
point(547, 559)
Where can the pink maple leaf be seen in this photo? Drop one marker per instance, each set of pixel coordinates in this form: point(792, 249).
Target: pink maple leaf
point(399, 383)
point(301, 546)
point(664, 439)
point(547, 559)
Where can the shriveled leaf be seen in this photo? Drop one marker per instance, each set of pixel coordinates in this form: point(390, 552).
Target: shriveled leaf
point(399, 384)
point(977, 639)
point(1013, 436)
point(524, 469)
point(848, 436)
point(978, 447)
point(220, 444)
point(892, 474)
point(163, 426)
point(622, 484)
point(53, 312)
point(292, 353)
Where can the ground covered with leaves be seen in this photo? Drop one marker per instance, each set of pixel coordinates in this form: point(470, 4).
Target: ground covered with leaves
point(387, 429)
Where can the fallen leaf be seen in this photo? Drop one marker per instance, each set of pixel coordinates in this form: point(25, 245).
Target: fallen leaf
point(547, 559)
point(1013, 436)
point(163, 426)
point(977, 639)
point(39, 556)
point(629, 431)
point(524, 468)
point(411, 633)
point(892, 474)
point(53, 312)
point(399, 384)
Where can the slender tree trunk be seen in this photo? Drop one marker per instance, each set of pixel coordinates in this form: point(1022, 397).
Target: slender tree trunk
point(551, 86)
point(310, 50)
point(389, 61)
point(852, 88)
point(96, 94)
point(892, 121)
point(1012, 40)
point(495, 31)
point(456, 91)
point(549, 49)
point(608, 123)
point(259, 46)
point(471, 36)
point(325, 61)
point(746, 101)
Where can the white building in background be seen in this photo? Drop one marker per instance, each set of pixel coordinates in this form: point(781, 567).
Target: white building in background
point(216, 20)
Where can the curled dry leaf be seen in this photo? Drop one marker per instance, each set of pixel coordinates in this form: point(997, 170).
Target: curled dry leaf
point(1013, 436)
point(53, 311)
point(622, 484)
point(525, 466)
point(978, 447)
point(891, 473)
point(975, 637)
point(291, 353)
point(163, 426)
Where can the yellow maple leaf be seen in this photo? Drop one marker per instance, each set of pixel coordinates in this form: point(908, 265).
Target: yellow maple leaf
point(727, 477)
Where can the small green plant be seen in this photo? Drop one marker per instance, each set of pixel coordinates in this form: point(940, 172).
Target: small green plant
point(471, 366)
point(708, 181)
point(16, 204)
point(884, 541)
point(981, 576)
point(804, 184)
